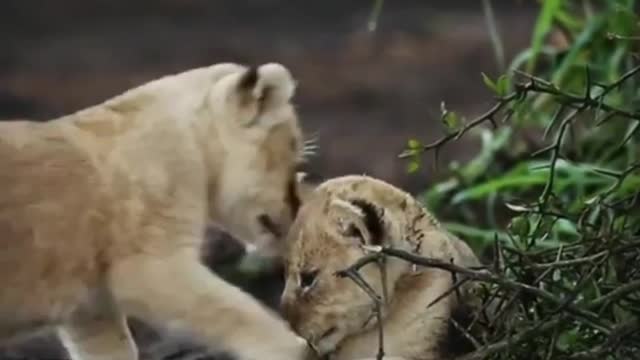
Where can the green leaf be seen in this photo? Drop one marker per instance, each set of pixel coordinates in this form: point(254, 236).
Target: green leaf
point(503, 84)
point(543, 25)
point(570, 21)
point(567, 340)
point(490, 84)
point(571, 58)
point(452, 121)
point(492, 143)
point(623, 21)
point(436, 193)
point(485, 189)
point(520, 226)
point(413, 166)
point(449, 119)
point(475, 236)
point(414, 144)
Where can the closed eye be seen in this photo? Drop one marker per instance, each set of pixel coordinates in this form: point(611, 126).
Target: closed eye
point(353, 231)
point(308, 279)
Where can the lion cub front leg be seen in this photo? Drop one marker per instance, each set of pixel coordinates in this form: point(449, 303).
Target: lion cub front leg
point(176, 292)
point(103, 336)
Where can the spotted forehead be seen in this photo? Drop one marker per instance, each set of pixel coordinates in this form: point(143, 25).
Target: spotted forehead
point(309, 240)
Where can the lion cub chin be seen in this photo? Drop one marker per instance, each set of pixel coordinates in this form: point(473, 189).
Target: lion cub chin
point(103, 212)
point(342, 221)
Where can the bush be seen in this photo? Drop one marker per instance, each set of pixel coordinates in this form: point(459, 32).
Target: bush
point(553, 194)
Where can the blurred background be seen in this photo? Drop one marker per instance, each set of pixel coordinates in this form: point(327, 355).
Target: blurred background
point(363, 94)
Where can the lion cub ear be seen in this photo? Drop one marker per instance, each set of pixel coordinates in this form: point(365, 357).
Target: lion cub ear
point(260, 90)
point(358, 221)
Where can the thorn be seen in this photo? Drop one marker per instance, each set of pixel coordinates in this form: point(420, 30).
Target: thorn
point(372, 248)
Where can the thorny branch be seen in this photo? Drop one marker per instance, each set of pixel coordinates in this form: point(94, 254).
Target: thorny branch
point(376, 299)
point(571, 308)
point(536, 295)
point(538, 85)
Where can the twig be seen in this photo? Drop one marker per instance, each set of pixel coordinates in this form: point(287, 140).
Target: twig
point(555, 152)
point(614, 36)
point(377, 301)
point(473, 123)
point(525, 334)
point(476, 344)
point(616, 294)
point(572, 262)
point(614, 337)
point(375, 15)
point(453, 288)
point(481, 276)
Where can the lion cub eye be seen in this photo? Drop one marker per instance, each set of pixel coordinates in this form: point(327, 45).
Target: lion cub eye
point(308, 278)
point(353, 231)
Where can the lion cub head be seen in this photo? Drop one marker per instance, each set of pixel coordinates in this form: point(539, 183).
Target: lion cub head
point(332, 231)
point(254, 188)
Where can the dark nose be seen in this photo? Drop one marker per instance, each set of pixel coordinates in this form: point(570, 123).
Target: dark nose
point(291, 313)
point(268, 224)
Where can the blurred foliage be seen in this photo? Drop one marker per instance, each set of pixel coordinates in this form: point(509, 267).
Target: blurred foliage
point(552, 195)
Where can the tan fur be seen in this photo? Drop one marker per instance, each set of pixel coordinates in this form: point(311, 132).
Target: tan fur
point(102, 212)
point(321, 238)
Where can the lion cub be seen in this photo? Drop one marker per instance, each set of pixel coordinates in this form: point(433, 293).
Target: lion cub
point(334, 227)
point(103, 212)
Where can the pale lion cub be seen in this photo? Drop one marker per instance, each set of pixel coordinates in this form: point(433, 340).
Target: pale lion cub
point(333, 313)
point(102, 212)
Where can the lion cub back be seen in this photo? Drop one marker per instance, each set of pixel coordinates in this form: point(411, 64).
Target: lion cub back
point(45, 260)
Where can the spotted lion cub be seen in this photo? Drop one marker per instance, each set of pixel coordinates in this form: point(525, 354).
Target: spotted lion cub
point(339, 224)
point(103, 212)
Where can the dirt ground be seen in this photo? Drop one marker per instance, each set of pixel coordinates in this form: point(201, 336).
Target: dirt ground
point(362, 94)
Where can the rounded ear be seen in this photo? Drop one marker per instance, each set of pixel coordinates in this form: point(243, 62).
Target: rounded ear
point(274, 85)
point(258, 90)
point(359, 221)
